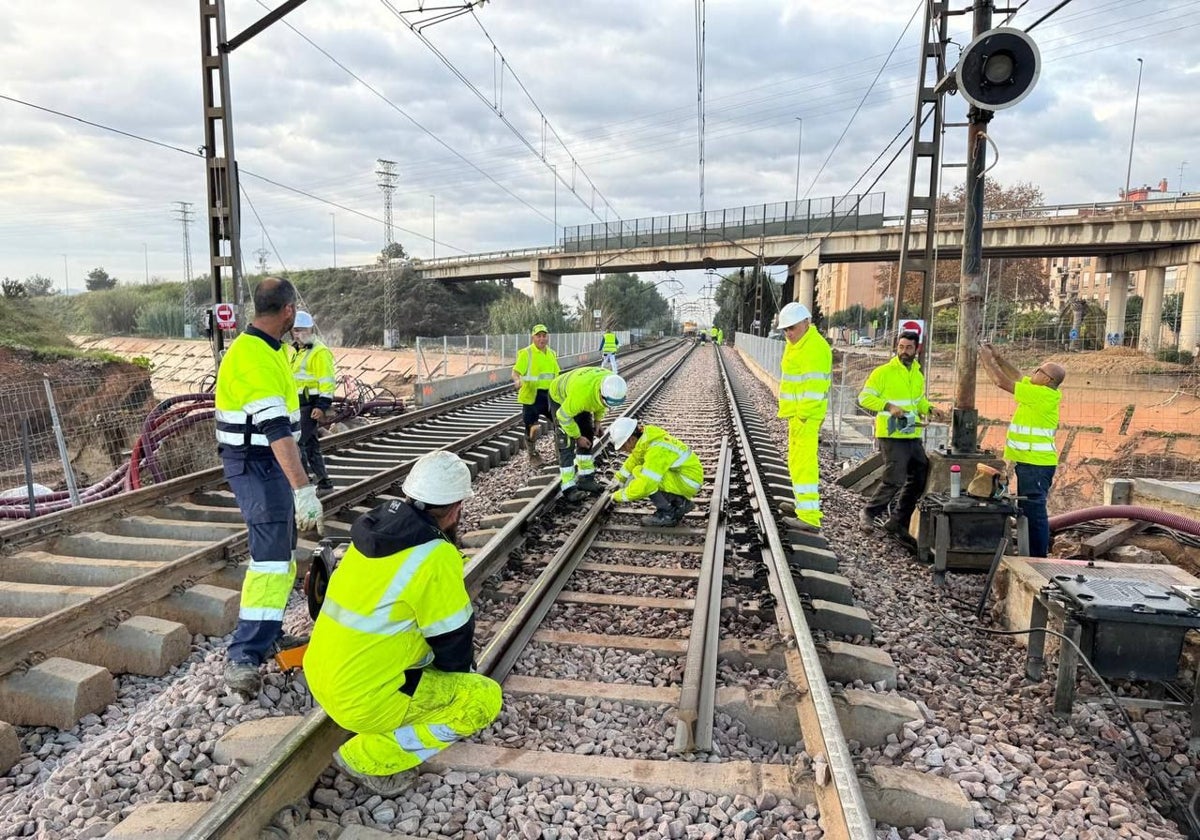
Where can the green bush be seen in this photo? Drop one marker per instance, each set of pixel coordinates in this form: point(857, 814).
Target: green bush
point(161, 318)
point(1173, 354)
point(516, 314)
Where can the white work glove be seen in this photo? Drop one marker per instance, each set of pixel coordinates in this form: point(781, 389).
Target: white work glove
point(309, 513)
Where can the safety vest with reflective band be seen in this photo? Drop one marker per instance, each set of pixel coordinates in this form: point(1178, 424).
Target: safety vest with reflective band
point(575, 392)
point(806, 371)
point(315, 376)
point(655, 455)
point(899, 385)
point(376, 618)
point(537, 369)
point(610, 343)
point(255, 387)
point(1034, 424)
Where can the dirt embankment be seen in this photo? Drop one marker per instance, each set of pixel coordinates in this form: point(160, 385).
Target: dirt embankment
point(101, 405)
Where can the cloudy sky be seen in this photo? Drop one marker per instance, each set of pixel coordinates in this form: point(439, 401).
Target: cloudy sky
point(318, 98)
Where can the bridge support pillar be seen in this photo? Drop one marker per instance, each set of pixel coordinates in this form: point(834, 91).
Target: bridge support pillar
point(1152, 305)
point(1189, 318)
point(1118, 296)
point(545, 284)
point(804, 284)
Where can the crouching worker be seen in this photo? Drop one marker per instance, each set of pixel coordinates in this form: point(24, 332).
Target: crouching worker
point(580, 400)
point(659, 467)
point(391, 652)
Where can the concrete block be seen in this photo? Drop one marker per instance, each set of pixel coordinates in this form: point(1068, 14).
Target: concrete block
point(206, 609)
point(361, 832)
point(495, 520)
point(191, 512)
point(764, 713)
point(840, 618)
point(113, 547)
point(870, 718)
point(158, 821)
point(909, 797)
point(810, 557)
point(514, 505)
point(478, 539)
point(249, 742)
point(1118, 491)
point(140, 645)
point(825, 586)
point(843, 662)
point(10, 747)
point(57, 692)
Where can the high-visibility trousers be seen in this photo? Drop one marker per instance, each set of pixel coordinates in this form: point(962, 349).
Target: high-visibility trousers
point(399, 732)
point(804, 470)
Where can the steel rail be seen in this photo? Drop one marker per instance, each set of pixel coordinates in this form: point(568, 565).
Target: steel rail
point(697, 696)
point(839, 796)
point(296, 762)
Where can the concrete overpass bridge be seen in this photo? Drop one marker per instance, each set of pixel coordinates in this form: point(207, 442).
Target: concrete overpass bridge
point(1125, 236)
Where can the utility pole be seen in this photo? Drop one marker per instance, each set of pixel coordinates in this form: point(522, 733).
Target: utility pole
point(224, 245)
point(964, 423)
point(391, 294)
point(184, 213)
point(387, 183)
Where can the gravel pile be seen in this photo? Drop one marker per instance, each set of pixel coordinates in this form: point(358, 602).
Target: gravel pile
point(599, 665)
point(750, 676)
point(619, 621)
point(642, 586)
point(1026, 773)
point(654, 559)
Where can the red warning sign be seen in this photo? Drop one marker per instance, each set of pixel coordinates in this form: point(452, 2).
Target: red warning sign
point(225, 316)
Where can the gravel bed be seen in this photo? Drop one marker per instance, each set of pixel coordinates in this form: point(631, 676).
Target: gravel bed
point(656, 559)
point(1026, 773)
point(644, 586)
point(745, 625)
point(607, 665)
point(618, 730)
point(747, 675)
point(619, 621)
point(491, 806)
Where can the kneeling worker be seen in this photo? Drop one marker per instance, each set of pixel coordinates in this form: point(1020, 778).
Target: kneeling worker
point(391, 652)
point(580, 399)
point(659, 467)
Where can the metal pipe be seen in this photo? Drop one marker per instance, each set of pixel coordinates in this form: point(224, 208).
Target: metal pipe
point(28, 457)
point(62, 444)
point(1143, 514)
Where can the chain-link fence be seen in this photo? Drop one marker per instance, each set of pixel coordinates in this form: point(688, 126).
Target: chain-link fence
point(459, 355)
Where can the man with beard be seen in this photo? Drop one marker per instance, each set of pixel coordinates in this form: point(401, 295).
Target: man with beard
point(258, 423)
point(895, 391)
point(392, 652)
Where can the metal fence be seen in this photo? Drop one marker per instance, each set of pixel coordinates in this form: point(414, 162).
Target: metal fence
point(817, 215)
point(458, 355)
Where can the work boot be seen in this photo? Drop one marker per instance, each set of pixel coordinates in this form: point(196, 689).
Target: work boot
point(787, 510)
point(287, 641)
point(683, 506)
point(589, 484)
point(386, 786)
point(243, 678)
point(324, 485)
point(869, 520)
point(662, 519)
point(535, 459)
point(574, 495)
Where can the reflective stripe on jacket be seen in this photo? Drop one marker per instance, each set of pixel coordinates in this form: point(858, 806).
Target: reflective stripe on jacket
point(610, 344)
point(806, 371)
point(1031, 433)
point(575, 392)
point(656, 454)
point(899, 385)
point(256, 400)
point(314, 371)
point(537, 369)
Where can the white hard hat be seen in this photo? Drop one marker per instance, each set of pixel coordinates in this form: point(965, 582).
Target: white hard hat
point(613, 390)
point(621, 430)
point(793, 314)
point(303, 320)
point(439, 478)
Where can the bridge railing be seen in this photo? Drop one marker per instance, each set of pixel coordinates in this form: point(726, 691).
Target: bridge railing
point(1048, 211)
point(787, 218)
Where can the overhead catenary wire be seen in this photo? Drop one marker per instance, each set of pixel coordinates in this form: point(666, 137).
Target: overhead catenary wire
point(700, 127)
point(266, 233)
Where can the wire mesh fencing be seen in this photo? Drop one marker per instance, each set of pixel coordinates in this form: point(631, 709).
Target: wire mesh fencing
point(459, 355)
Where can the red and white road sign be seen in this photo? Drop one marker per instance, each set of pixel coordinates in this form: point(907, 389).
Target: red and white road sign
point(915, 325)
point(225, 317)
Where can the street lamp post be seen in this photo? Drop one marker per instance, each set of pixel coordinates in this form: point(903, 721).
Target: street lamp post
point(1133, 133)
point(434, 237)
point(333, 223)
point(799, 146)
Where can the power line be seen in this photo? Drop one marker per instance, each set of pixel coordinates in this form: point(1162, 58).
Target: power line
point(266, 233)
point(1045, 16)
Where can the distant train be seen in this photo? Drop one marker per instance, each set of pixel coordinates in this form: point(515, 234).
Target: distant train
point(689, 328)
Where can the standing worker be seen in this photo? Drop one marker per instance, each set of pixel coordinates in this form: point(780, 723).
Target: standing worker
point(313, 368)
point(534, 370)
point(713, 332)
point(896, 392)
point(804, 379)
point(580, 399)
point(1030, 441)
point(392, 653)
point(608, 350)
point(720, 336)
point(258, 421)
point(659, 467)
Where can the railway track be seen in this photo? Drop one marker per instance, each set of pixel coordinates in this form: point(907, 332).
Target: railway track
point(678, 659)
point(122, 585)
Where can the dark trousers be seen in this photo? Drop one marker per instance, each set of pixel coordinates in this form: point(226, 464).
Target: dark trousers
point(1033, 486)
point(310, 445)
point(573, 460)
point(540, 407)
point(906, 470)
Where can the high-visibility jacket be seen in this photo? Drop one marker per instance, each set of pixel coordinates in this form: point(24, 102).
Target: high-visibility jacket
point(657, 459)
point(899, 385)
point(1034, 424)
point(712, 331)
point(720, 336)
point(575, 392)
point(805, 376)
point(537, 369)
point(610, 343)
point(256, 399)
point(395, 604)
point(315, 374)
